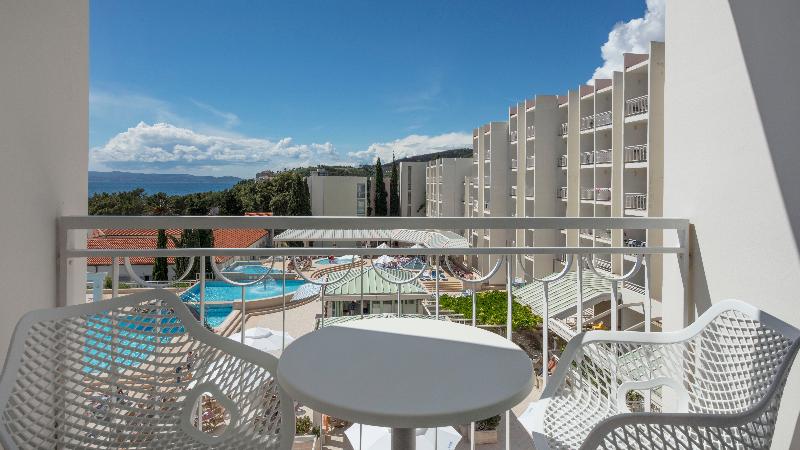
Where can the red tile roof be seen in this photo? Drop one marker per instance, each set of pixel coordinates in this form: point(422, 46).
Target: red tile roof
point(147, 239)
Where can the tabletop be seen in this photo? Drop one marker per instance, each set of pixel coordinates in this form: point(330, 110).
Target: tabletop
point(405, 372)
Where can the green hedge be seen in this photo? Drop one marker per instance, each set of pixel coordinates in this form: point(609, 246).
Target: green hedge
point(492, 309)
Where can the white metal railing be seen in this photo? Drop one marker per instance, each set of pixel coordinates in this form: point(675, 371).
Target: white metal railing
point(430, 256)
point(587, 193)
point(561, 161)
point(635, 153)
point(561, 192)
point(530, 131)
point(636, 106)
point(513, 191)
point(602, 119)
point(512, 136)
point(587, 158)
point(636, 201)
point(531, 162)
point(564, 128)
point(587, 122)
point(602, 194)
point(602, 156)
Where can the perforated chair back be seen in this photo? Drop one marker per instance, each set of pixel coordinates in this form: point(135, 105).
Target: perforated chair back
point(137, 372)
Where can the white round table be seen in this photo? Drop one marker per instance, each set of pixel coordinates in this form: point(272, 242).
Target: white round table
point(405, 373)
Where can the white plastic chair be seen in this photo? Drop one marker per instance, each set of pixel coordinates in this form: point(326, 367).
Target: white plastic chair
point(726, 371)
point(136, 372)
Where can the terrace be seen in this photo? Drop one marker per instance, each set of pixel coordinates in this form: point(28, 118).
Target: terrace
point(360, 287)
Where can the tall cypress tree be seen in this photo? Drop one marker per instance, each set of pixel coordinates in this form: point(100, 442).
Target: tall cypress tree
point(394, 190)
point(380, 190)
point(160, 267)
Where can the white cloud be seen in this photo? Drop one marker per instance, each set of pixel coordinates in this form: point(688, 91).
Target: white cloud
point(166, 147)
point(412, 145)
point(633, 36)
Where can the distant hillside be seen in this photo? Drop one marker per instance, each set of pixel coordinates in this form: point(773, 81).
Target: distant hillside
point(130, 177)
point(454, 153)
point(367, 170)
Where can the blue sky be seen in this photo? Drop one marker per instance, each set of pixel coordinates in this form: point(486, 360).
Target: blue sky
point(234, 87)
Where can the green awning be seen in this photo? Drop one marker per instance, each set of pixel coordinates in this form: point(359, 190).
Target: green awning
point(375, 287)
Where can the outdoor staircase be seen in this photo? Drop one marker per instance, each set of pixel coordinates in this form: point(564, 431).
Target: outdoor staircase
point(338, 268)
point(449, 286)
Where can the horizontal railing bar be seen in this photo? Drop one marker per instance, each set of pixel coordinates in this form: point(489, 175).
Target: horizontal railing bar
point(369, 251)
point(353, 222)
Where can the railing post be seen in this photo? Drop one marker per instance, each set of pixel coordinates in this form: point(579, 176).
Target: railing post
point(244, 312)
point(283, 311)
point(647, 319)
point(114, 277)
point(545, 331)
point(579, 304)
point(509, 330)
point(437, 287)
point(361, 294)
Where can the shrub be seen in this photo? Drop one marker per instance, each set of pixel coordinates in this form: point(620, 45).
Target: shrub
point(488, 424)
point(303, 426)
point(491, 307)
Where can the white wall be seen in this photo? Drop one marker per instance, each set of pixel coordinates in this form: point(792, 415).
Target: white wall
point(44, 100)
point(731, 160)
point(416, 194)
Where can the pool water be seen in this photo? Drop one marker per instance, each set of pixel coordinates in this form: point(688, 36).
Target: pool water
point(217, 291)
point(132, 342)
point(254, 269)
point(326, 261)
point(215, 314)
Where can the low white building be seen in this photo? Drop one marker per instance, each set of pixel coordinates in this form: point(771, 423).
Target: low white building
point(411, 185)
point(337, 195)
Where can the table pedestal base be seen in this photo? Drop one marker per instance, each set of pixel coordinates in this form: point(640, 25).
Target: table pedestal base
point(404, 439)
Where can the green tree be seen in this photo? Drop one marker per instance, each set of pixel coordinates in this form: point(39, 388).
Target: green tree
point(380, 190)
point(191, 238)
point(394, 190)
point(160, 266)
point(369, 200)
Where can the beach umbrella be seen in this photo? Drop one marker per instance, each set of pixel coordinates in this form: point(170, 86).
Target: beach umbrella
point(262, 339)
point(383, 245)
point(368, 437)
point(383, 260)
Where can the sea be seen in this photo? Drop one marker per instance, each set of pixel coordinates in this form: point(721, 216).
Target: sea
point(169, 188)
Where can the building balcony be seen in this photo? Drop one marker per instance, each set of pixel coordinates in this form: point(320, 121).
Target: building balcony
point(530, 162)
point(562, 193)
point(564, 129)
point(636, 106)
point(512, 136)
point(513, 191)
point(530, 131)
point(488, 155)
point(487, 180)
point(602, 156)
point(587, 193)
point(636, 201)
point(635, 153)
point(587, 123)
point(602, 119)
point(514, 164)
point(587, 158)
point(561, 161)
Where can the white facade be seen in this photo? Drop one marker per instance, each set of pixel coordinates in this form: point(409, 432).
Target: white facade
point(595, 152)
point(732, 105)
point(444, 181)
point(337, 195)
point(411, 184)
point(44, 110)
point(490, 189)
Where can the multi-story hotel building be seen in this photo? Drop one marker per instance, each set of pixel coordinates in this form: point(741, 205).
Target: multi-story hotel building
point(411, 187)
point(444, 186)
point(595, 152)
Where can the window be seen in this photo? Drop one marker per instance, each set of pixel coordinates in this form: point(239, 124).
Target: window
point(361, 199)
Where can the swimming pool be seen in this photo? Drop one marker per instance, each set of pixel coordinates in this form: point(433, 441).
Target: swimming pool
point(216, 314)
point(220, 291)
point(254, 269)
point(339, 260)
